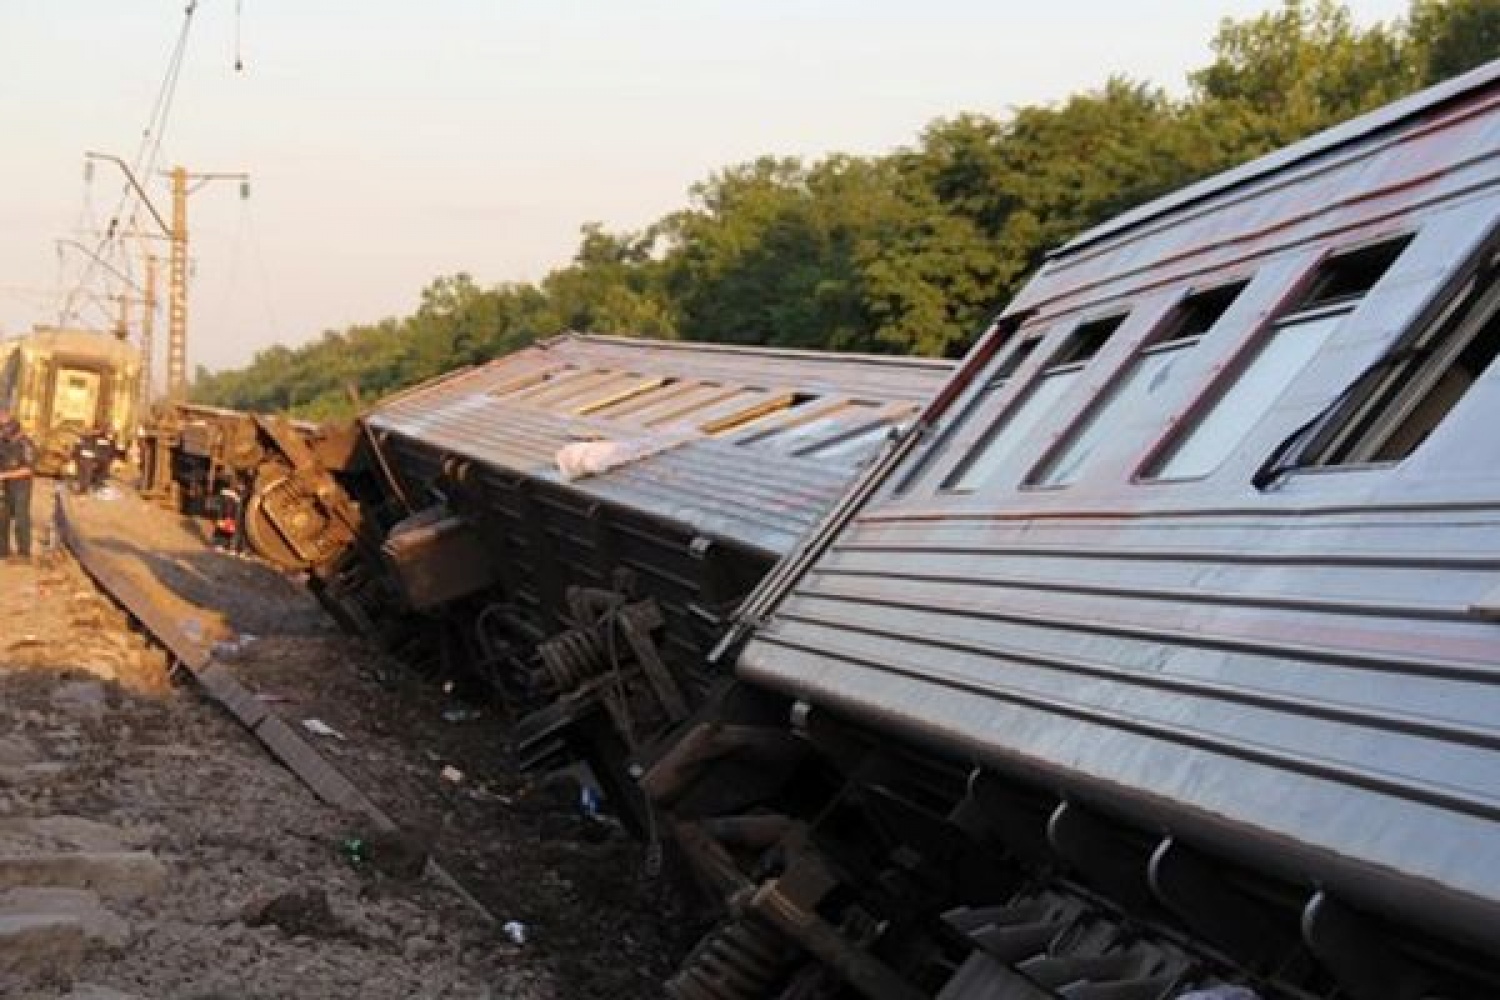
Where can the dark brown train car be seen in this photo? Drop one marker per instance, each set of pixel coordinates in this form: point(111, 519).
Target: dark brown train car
point(1165, 653)
point(589, 599)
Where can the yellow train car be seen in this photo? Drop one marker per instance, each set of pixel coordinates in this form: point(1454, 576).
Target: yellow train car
point(60, 382)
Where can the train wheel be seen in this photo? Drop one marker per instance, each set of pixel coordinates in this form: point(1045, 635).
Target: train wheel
point(283, 524)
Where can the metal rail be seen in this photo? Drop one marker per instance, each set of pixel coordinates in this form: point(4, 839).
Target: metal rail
point(196, 655)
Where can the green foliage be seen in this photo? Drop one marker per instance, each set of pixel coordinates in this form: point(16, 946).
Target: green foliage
point(1448, 37)
point(1291, 72)
point(772, 252)
point(904, 253)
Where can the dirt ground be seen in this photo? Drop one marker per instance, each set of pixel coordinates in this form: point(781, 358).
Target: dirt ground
point(270, 892)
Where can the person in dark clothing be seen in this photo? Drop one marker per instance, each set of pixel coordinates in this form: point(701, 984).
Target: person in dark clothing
point(105, 454)
point(85, 462)
point(93, 454)
point(227, 511)
point(17, 466)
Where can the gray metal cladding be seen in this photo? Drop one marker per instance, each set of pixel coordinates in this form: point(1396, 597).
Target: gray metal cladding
point(1300, 676)
point(1287, 681)
point(755, 479)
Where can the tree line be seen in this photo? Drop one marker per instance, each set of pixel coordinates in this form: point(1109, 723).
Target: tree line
point(909, 252)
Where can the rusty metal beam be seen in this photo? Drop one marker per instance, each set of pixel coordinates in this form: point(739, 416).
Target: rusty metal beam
point(195, 654)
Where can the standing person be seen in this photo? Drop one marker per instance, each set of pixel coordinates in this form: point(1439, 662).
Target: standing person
point(85, 462)
point(227, 522)
point(17, 465)
point(105, 453)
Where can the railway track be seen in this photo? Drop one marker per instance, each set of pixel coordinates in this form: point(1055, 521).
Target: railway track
point(198, 865)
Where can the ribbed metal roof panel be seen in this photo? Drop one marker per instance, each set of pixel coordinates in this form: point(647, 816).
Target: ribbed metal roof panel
point(517, 412)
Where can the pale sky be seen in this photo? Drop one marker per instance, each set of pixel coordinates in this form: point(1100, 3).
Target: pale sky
point(393, 142)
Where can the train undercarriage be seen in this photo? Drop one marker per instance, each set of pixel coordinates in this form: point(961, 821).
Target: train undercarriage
point(842, 862)
point(854, 865)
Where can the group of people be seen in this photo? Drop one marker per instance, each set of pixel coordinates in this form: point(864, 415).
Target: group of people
point(17, 469)
point(93, 455)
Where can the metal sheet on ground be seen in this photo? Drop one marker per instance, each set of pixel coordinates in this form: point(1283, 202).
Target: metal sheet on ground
point(184, 630)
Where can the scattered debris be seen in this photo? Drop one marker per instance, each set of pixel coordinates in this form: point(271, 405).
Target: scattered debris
point(230, 647)
point(296, 912)
point(320, 728)
point(237, 828)
point(355, 851)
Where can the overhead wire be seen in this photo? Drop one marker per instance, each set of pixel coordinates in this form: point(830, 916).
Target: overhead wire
point(239, 10)
point(231, 282)
point(146, 157)
point(268, 301)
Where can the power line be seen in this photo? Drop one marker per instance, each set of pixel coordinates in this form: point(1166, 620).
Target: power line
point(268, 302)
point(146, 155)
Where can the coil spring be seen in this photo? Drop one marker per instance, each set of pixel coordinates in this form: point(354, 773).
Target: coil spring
point(741, 959)
point(571, 658)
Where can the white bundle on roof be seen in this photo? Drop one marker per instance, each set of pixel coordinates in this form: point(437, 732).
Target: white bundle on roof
point(592, 458)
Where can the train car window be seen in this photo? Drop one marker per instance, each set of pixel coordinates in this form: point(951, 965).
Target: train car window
point(1410, 391)
point(793, 438)
point(1283, 353)
point(655, 393)
point(1157, 368)
point(561, 383)
point(768, 407)
point(1013, 356)
point(1346, 277)
point(1013, 361)
point(848, 446)
point(584, 392)
point(1073, 357)
point(705, 397)
point(633, 389)
point(528, 380)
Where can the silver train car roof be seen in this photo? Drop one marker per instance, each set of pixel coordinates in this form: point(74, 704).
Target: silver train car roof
point(745, 444)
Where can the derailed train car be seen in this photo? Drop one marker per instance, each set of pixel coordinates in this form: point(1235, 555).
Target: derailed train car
point(1164, 655)
point(570, 525)
point(61, 382)
point(574, 523)
point(1157, 653)
point(194, 456)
